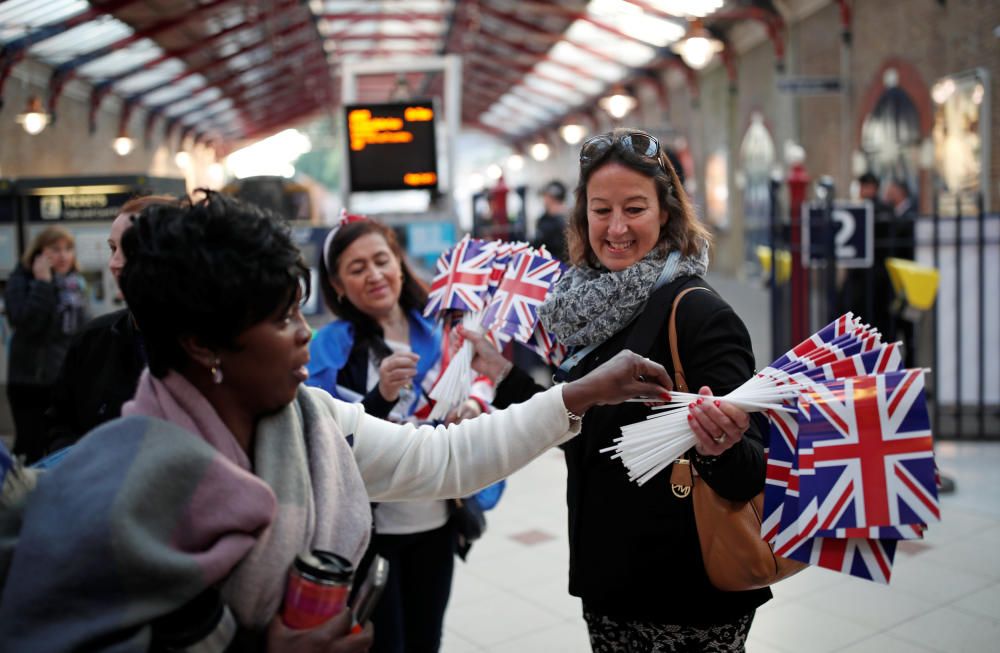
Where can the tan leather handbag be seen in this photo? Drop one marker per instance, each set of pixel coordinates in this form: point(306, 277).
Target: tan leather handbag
point(736, 557)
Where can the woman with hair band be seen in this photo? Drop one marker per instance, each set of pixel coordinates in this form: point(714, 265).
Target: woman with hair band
point(382, 352)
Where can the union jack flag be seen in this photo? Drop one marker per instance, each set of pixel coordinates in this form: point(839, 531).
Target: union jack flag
point(842, 325)
point(505, 251)
point(545, 345)
point(866, 455)
point(523, 288)
point(461, 277)
point(864, 558)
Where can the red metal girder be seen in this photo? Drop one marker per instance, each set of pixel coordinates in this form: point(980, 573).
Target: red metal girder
point(244, 93)
point(101, 89)
point(248, 99)
point(495, 64)
point(224, 84)
point(517, 47)
point(133, 100)
point(372, 54)
point(13, 52)
point(390, 37)
point(405, 16)
point(66, 71)
point(487, 93)
point(525, 25)
point(474, 66)
point(300, 113)
point(266, 112)
point(773, 23)
point(211, 65)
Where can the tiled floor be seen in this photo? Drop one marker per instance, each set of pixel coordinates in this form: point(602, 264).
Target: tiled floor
point(944, 595)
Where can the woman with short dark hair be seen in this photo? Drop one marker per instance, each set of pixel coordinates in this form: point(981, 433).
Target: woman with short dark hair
point(177, 524)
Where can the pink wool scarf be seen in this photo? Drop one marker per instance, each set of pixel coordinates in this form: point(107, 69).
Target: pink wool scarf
point(302, 456)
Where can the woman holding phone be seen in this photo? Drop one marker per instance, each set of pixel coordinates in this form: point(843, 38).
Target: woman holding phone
point(46, 304)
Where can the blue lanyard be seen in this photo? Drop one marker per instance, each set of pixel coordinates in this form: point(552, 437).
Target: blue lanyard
point(667, 273)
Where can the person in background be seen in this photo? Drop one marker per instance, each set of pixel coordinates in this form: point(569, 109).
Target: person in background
point(105, 357)
point(895, 237)
point(383, 352)
point(46, 302)
point(175, 526)
point(550, 230)
point(635, 559)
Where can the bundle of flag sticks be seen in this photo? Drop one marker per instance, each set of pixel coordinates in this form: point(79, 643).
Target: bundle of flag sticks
point(850, 465)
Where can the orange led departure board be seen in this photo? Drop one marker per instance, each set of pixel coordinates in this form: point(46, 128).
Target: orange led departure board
point(391, 146)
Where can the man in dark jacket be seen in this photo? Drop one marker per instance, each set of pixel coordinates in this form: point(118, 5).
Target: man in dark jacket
point(105, 358)
point(550, 230)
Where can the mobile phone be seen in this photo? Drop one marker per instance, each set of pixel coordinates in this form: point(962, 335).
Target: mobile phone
point(371, 589)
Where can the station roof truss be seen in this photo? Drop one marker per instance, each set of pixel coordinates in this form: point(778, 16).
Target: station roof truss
point(225, 71)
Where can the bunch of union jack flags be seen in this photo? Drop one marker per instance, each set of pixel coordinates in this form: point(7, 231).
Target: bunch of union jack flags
point(498, 287)
point(850, 461)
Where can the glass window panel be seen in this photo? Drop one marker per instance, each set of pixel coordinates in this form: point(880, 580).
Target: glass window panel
point(121, 60)
point(149, 78)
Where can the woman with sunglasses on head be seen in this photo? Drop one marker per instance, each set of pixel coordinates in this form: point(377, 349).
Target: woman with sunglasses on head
point(382, 352)
point(174, 527)
point(636, 244)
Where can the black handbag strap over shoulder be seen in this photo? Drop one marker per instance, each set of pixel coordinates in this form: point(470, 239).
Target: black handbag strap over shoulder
point(650, 322)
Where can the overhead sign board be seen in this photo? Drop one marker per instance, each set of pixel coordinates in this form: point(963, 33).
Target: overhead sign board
point(809, 85)
point(853, 233)
point(391, 146)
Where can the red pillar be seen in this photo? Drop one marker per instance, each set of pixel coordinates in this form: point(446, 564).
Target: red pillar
point(798, 181)
point(498, 210)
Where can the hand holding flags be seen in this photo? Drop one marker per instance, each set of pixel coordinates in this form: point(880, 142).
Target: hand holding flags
point(498, 287)
point(850, 464)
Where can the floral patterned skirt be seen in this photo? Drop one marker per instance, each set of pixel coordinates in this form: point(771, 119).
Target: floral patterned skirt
point(609, 635)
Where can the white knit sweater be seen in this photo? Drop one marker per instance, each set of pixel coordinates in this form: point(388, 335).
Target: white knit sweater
point(401, 462)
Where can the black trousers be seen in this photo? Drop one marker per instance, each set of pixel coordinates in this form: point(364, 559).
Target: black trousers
point(409, 618)
point(28, 404)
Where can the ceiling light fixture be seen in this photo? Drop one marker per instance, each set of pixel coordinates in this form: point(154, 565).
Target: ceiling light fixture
point(698, 47)
point(540, 151)
point(34, 119)
point(123, 144)
point(572, 133)
point(618, 103)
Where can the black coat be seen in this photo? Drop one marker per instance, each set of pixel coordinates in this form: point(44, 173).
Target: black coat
point(100, 374)
point(634, 551)
point(44, 316)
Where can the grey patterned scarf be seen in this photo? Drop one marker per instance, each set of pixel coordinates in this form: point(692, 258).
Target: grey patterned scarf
point(587, 306)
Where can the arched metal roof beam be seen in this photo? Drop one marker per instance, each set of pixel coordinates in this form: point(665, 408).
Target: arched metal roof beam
point(66, 71)
point(14, 52)
point(102, 88)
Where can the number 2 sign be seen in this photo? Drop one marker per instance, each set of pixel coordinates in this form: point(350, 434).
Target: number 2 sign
point(853, 237)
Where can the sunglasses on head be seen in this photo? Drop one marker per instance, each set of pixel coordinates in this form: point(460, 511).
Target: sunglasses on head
point(636, 142)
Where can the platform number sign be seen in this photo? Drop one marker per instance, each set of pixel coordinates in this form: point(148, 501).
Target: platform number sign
point(853, 236)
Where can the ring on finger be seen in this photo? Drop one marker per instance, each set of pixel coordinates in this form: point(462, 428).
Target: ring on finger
point(718, 440)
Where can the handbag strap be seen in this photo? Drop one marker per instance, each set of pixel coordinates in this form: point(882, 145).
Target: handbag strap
point(680, 383)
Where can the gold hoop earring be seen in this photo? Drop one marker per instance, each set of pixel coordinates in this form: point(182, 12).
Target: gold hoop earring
point(216, 371)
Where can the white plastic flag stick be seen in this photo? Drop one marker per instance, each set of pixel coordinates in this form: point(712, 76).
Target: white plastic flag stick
point(452, 387)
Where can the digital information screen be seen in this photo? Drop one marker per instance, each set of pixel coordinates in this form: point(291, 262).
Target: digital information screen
point(391, 146)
